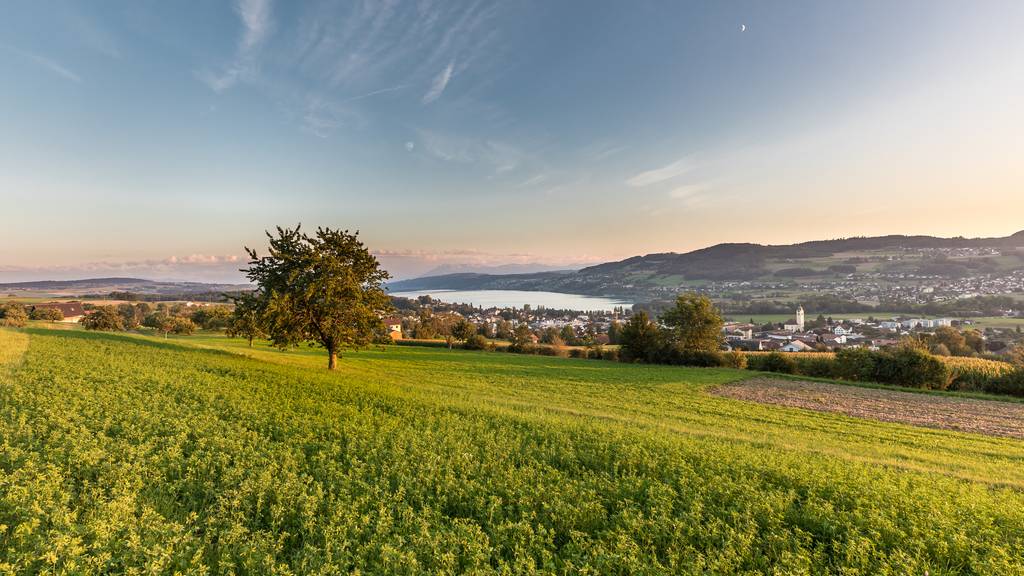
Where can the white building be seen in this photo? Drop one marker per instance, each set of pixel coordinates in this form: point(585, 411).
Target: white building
point(798, 325)
point(795, 346)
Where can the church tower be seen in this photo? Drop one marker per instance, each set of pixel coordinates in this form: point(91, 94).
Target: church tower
point(800, 318)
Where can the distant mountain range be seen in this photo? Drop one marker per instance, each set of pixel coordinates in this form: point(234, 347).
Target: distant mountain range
point(446, 269)
point(106, 285)
point(641, 275)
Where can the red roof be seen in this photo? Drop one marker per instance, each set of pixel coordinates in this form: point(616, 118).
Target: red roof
point(69, 309)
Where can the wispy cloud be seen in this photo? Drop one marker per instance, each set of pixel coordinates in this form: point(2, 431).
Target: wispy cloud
point(534, 180)
point(673, 170)
point(340, 54)
point(688, 191)
point(601, 150)
point(50, 64)
point(376, 92)
point(255, 16)
point(439, 84)
point(499, 156)
point(220, 81)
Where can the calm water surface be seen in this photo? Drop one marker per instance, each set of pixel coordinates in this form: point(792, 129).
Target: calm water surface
point(518, 298)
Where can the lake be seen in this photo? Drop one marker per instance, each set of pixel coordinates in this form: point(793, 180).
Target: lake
point(518, 298)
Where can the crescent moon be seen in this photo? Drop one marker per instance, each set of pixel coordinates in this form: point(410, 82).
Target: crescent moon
point(743, 27)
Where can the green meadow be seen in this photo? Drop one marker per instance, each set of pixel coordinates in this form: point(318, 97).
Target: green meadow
point(199, 455)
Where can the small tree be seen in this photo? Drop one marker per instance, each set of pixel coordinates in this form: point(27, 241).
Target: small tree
point(247, 320)
point(521, 339)
point(640, 340)
point(129, 316)
point(13, 314)
point(614, 330)
point(103, 318)
point(1017, 354)
point(695, 323)
point(324, 290)
point(463, 330)
point(182, 325)
point(216, 317)
point(47, 314)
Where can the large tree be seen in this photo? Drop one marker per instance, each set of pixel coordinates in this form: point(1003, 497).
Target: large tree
point(694, 322)
point(103, 318)
point(323, 289)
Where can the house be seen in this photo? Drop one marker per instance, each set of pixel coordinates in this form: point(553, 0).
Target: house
point(795, 346)
point(833, 340)
point(394, 327)
point(841, 330)
point(72, 311)
point(748, 345)
point(739, 334)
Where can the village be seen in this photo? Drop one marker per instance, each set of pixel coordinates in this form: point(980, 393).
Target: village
point(797, 334)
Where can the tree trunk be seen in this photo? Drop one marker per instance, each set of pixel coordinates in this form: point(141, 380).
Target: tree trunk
point(250, 342)
point(332, 359)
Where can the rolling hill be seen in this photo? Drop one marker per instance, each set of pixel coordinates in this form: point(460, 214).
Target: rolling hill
point(739, 262)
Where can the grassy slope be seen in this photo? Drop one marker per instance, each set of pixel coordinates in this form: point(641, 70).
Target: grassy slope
point(126, 451)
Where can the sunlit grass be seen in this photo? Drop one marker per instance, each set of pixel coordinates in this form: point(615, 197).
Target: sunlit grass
point(124, 452)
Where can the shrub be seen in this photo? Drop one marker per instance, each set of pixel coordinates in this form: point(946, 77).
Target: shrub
point(13, 314)
point(856, 364)
point(578, 353)
point(735, 359)
point(610, 354)
point(814, 365)
point(699, 358)
point(1011, 383)
point(477, 342)
point(544, 350)
point(421, 342)
point(773, 362)
point(49, 314)
point(913, 368)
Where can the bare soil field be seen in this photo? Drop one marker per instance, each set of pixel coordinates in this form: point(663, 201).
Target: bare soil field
point(989, 417)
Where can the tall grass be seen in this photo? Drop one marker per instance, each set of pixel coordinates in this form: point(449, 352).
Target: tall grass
point(127, 455)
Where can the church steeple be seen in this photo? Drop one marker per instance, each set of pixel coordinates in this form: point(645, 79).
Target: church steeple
point(800, 318)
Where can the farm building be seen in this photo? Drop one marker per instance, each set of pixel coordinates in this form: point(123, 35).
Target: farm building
point(73, 311)
point(394, 327)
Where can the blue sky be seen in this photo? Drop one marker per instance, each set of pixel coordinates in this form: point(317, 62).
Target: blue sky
point(156, 138)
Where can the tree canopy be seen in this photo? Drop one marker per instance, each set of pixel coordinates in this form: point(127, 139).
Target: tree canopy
point(695, 323)
point(323, 289)
point(13, 314)
point(103, 318)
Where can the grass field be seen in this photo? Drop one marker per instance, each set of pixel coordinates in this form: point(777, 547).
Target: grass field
point(201, 456)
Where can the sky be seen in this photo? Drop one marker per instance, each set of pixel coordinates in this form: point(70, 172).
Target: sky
point(157, 139)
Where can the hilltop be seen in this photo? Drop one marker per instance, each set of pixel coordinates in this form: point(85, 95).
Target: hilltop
point(642, 276)
point(105, 286)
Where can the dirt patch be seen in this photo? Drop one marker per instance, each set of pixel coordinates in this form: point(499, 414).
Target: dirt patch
point(962, 414)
